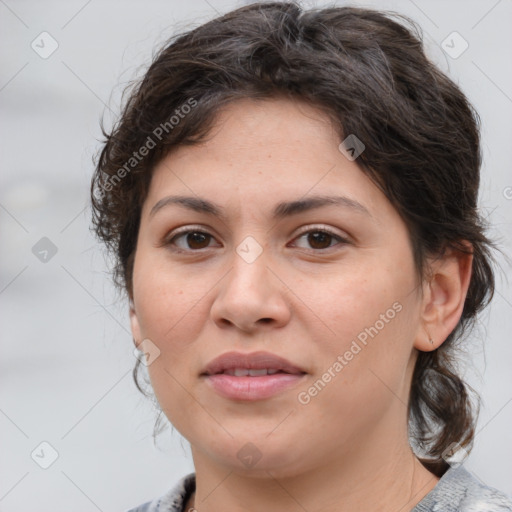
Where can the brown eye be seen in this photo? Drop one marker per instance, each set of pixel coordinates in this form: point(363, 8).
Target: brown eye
point(190, 240)
point(197, 240)
point(320, 239)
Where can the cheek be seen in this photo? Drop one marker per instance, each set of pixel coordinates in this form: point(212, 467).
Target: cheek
point(363, 298)
point(372, 313)
point(168, 303)
point(359, 382)
point(170, 310)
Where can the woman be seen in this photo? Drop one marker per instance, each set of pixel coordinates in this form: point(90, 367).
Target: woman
point(292, 201)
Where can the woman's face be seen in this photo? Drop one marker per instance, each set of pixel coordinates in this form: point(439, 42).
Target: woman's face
point(329, 286)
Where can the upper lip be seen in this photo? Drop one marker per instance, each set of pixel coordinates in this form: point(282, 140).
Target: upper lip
point(251, 361)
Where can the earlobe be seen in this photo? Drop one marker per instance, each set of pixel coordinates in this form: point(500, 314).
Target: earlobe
point(134, 325)
point(444, 294)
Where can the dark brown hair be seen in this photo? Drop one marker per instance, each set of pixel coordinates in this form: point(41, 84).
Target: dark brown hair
point(368, 72)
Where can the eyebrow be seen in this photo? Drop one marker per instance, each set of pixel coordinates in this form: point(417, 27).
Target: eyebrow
point(281, 210)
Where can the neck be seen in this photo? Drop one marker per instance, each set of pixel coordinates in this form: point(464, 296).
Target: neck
point(373, 478)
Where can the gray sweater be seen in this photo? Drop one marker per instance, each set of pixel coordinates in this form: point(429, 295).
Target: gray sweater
point(457, 491)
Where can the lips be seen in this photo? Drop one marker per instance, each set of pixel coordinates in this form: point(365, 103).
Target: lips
point(251, 377)
point(253, 364)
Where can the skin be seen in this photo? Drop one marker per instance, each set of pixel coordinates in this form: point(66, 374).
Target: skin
point(303, 298)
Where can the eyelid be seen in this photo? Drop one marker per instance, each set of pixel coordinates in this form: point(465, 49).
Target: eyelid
point(322, 227)
point(186, 229)
point(342, 239)
point(183, 230)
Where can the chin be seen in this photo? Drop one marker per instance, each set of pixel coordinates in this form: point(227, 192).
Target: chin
point(258, 456)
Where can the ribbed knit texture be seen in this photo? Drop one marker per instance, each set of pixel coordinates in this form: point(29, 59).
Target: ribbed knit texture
point(457, 491)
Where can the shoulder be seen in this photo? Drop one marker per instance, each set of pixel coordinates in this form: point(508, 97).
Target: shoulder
point(173, 500)
point(459, 491)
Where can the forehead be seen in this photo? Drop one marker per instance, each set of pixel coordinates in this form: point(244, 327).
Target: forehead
point(262, 152)
point(258, 130)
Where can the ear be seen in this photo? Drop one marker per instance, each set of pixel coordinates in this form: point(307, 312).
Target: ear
point(444, 294)
point(134, 325)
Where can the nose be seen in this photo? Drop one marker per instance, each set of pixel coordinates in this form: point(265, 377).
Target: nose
point(251, 296)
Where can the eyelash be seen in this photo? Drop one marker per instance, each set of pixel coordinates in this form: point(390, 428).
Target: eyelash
point(193, 229)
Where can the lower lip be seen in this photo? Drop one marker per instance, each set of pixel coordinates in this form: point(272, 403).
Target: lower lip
point(252, 388)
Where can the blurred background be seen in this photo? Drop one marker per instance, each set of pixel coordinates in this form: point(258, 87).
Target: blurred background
point(76, 434)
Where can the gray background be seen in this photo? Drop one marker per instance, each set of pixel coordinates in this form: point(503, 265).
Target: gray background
point(66, 348)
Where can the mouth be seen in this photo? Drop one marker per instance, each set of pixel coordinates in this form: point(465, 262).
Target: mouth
point(255, 364)
point(250, 377)
point(246, 372)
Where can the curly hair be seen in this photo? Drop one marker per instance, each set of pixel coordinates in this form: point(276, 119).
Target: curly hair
point(368, 72)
